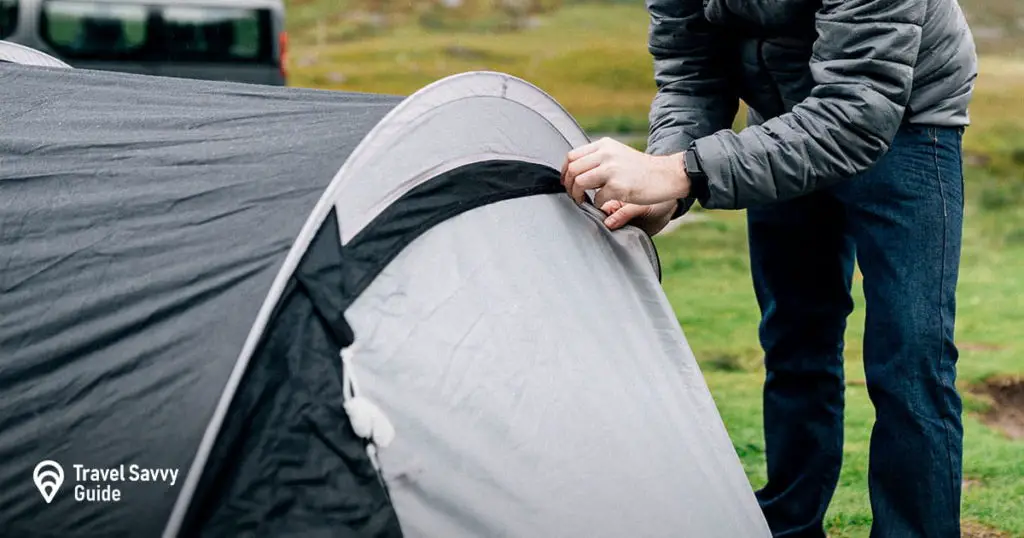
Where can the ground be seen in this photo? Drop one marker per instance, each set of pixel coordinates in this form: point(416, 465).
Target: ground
point(1004, 397)
point(592, 58)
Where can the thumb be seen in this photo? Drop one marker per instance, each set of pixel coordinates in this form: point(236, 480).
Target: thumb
point(624, 214)
point(611, 206)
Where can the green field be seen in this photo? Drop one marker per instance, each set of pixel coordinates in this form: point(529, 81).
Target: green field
point(593, 59)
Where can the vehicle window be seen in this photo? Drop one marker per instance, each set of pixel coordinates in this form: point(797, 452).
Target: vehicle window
point(104, 30)
point(94, 28)
point(212, 32)
point(8, 17)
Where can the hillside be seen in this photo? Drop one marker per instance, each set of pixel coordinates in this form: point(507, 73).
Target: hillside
point(998, 25)
point(591, 56)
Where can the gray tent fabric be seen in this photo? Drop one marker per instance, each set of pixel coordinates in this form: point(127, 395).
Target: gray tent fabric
point(606, 426)
point(142, 222)
point(233, 282)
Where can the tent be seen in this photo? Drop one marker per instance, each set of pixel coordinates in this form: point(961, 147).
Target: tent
point(19, 54)
point(234, 310)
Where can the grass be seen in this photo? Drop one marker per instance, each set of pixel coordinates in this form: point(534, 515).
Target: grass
point(708, 281)
point(593, 59)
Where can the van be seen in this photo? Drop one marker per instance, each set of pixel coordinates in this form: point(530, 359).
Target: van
point(233, 40)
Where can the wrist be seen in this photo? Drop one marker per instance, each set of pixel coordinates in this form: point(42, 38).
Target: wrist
point(679, 179)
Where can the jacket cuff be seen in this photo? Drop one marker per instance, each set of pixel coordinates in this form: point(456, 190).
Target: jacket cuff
point(717, 166)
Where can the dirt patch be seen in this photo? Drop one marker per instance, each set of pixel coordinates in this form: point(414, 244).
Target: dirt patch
point(972, 529)
point(976, 159)
point(1006, 413)
point(970, 483)
point(978, 346)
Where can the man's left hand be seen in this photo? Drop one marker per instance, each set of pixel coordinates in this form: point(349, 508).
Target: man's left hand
point(624, 174)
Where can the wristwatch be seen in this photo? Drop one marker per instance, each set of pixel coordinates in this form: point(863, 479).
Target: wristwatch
point(699, 189)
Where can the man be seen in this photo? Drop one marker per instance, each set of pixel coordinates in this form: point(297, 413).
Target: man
point(853, 148)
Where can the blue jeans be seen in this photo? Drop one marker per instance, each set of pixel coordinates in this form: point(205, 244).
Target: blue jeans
point(902, 220)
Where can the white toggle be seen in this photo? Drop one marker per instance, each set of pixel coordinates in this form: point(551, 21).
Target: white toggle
point(367, 419)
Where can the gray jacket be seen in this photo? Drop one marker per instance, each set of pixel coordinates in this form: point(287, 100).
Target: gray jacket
point(828, 83)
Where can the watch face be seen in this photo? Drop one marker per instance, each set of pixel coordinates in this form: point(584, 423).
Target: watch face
point(691, 163)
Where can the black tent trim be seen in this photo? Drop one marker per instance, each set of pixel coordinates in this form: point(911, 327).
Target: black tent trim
point(286, 461)
point(433, 202)
point(292, 395)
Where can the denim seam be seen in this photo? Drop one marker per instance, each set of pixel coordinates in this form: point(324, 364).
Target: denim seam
point(942, 299)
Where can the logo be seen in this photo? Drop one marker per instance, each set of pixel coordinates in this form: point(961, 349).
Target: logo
point(98, 484)
point(48, 476)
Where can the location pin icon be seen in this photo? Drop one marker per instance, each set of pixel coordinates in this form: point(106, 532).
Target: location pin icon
point(48, 476)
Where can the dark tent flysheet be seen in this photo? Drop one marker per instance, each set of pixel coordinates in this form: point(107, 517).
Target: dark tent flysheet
point(234, 310)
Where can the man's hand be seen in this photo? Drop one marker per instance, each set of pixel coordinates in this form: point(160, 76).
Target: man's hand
point(649, 218)
point(624, 174)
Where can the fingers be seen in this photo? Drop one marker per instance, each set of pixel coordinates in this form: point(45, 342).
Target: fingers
point(611, 206)
point(603, 197)
point(583, 164)
point(577, 169)
point(585, 168)
point(578, 193)
point(570, 169)
point(588, 149)
point(596, 178)
point(625, 214)
point(608, 191)
point(569, 183)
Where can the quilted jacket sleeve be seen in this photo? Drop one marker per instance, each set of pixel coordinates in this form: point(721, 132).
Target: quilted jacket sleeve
point(863, 68)
point(694, 98)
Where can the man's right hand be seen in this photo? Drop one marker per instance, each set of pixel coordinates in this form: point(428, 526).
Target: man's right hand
point(649, 218)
